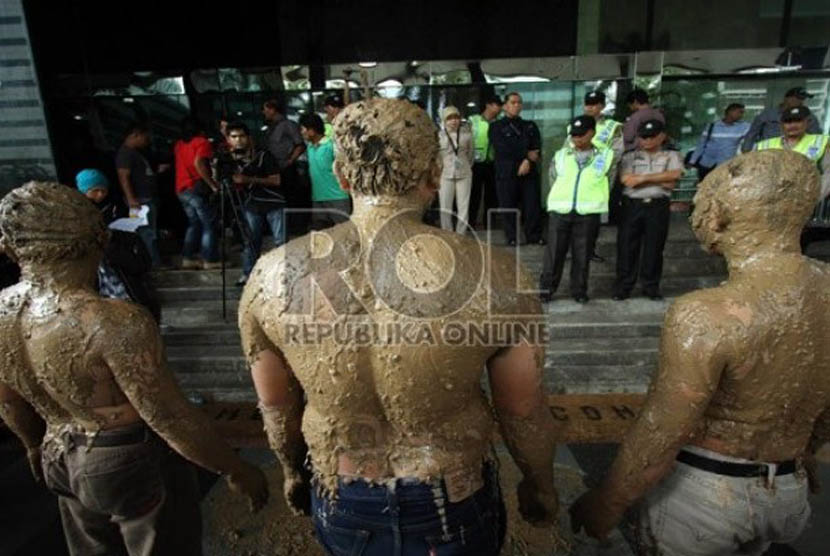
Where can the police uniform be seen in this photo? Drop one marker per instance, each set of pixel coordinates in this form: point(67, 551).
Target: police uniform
point(512, 139)
point(812, 145)
point(608, 133)
point(578, 195)
point(815, 147)
point(644, 218)
point(484, 184)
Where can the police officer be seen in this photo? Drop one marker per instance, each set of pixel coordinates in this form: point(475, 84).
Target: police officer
point(516, 145)
point(608, 134)
point(608, 130)
point(578, 195)
point(483, 177)
point(648, 174)
point(794, 124)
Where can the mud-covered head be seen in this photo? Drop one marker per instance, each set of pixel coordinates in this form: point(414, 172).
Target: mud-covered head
point(385, 147)
point(761, 197)
point(46, 221)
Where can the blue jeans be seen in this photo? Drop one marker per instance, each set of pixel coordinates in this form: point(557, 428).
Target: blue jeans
point(149, 233)
point(411, 518)
point(201, 227)
point(256, 224)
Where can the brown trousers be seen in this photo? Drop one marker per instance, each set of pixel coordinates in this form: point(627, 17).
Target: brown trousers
point(136, 499)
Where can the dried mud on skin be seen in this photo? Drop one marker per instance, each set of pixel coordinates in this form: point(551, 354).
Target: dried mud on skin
point(229, 528)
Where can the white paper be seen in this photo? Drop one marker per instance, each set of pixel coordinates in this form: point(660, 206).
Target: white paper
point(137, 219)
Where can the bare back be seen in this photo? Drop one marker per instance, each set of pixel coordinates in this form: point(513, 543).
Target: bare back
point(776, 381)
point(397, 400)
point(51, 360)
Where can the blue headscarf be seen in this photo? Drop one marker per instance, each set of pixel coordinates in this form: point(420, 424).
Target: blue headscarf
point(91, 179)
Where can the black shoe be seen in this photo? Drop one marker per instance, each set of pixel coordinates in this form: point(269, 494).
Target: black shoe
point(596, 258)
point(654, 296)
point(511, 243)
point(620, 296)
point(541, 241)
point(581, 298)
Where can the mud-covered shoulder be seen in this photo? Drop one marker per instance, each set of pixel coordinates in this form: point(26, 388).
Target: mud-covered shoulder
point(513, 288)
point(710, 318)
point(12, 299)
point(117, 320)
point(272, 280)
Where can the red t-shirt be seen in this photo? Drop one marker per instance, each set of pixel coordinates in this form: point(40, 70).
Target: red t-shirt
point(185, 154)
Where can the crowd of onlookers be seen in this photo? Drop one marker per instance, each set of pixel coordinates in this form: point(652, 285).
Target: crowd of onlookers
point(622, 172)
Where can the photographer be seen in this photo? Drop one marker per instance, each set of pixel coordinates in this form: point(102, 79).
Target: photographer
point(256, 171)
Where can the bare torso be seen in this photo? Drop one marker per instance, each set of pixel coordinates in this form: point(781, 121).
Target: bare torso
point(412, 407)
point(49, 342)
point(777, 378)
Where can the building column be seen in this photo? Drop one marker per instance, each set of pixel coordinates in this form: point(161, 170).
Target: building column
point(25, 149)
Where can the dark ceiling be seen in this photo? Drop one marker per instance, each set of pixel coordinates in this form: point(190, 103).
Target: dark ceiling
point(74, 36)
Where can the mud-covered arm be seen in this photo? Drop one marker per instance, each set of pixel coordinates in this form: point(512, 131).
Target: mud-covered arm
point(21, 418)
point(280, 402)
point(135, 357)
point(527, 425)
point(692, 359)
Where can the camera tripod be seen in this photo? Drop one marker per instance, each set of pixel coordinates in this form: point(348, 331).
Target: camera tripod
point(230, 194)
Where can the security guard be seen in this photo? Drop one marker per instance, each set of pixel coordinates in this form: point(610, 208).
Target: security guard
point(483, 178)
point(516, 146)
point(794, 123)
point(578, 195)
point(608, 131)
point(649, 174)
point(608, 134)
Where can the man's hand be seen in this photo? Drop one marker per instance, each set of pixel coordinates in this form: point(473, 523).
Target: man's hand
point(595, 512)
point(35, 464)
point(537, 508)
point(297, 491)
point(631, 180)
point(524, 168)
point(249, 481)
point(241, 179)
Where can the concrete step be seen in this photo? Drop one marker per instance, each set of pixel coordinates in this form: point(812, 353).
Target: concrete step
point(602, 351)
point(598, 379)
point(600, 284)
point(186, 313)
point(679, 258)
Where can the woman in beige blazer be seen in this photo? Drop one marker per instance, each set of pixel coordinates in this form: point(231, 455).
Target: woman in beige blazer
point(457, 176)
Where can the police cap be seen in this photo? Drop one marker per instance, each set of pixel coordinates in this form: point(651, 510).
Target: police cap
point(582, 125)
point(795, 114)
point(650, 128)
point(595, 97)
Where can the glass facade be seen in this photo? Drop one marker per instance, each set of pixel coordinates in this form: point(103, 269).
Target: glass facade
point(690, 100)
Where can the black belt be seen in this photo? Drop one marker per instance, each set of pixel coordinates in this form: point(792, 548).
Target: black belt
point(731, 469)
point(112, 438)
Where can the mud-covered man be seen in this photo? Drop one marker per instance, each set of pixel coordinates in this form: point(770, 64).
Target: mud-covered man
point(742, 392)
point(83, 383)
point(395, 422)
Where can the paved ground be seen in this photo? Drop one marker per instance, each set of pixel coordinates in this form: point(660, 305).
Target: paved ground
point(30, 524)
